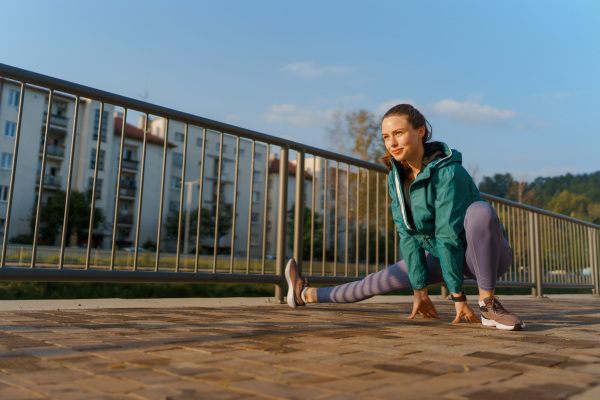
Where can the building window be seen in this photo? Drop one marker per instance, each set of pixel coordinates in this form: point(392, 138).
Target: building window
point(13, 98)
point(257, 157)
point(199, 142)
point(255, 196)
point(178, 159)
point(254, 239)
point(176, 182)
point(255, 217)
point(257, 176)
point(6, 161)
point(100, 160)
point(173, 206)
point(10, 129)
point(129, 155)
point(104, 124)
point(98, 186)
point(242, 152)
point(3, 193)
point(179, 136)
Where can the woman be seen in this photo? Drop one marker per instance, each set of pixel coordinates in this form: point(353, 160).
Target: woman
point(446, 230)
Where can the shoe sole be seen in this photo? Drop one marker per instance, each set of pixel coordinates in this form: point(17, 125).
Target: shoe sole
point(290, 294)
point(489, 322)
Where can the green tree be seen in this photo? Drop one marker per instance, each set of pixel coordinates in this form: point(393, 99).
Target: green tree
point(52, 214)
point(306, 234)
point(207, 223)
point(356, 133)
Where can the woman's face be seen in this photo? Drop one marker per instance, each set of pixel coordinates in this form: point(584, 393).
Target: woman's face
point(402, 140)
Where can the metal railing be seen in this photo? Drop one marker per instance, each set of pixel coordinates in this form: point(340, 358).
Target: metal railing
point(340, 229)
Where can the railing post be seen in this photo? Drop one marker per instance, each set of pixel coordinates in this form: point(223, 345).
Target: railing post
point(593, 255)
point(534, 257)
point(282, 221)
point(299, 209)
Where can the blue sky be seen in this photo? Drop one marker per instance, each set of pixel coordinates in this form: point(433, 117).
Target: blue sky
point(513, 85)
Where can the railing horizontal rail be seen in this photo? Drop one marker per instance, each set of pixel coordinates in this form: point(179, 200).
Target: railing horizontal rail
point(538, 210)
point(95, 275)
point(75, 89)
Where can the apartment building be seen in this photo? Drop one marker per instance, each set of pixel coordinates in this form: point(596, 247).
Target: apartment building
point(249, 201)
point(98, 137)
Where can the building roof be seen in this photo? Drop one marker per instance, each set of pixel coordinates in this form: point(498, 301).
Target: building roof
point(135, 133)
point(274, 168)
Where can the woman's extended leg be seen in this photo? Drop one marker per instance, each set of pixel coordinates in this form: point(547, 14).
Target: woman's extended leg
point(394, 277)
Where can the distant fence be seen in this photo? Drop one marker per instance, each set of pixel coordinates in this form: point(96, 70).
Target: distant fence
point(341, 228)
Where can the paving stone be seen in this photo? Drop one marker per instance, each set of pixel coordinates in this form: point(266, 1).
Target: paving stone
point(13, 393)
point(109, 385)
point(279, 390)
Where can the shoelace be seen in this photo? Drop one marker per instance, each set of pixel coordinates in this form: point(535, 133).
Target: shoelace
point(304, 283)
point(497, 306)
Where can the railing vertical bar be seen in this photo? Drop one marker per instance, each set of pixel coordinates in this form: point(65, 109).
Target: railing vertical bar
point(377, 206)
point(325, 207)
point(141, 194)
point(347, 221)
point(387, 229)
point(216, 240)
point(265, 210)
point(282, 219)
point(96, 168)
point(42, 176)
point(118, 194)
point(335, 234)
point(12, 175)
point(357, 216)
point(368, 220)
point(162, 192)
point(68, 192)
point(182, 188)
point(235, 184)
point(200, 193)
point(312, 214)
point(248, 243)
point(563, 252)
point(299, 209)
point(539, 280)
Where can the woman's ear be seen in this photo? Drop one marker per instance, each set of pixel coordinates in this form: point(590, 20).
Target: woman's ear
point(422, 131)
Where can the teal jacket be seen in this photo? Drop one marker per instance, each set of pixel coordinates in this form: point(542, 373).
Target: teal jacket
point(439, 196)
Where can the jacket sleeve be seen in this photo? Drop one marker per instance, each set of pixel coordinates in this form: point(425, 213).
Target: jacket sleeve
point(452, 185)
point(411, 249)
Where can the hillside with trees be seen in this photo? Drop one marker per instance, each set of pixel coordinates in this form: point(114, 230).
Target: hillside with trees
point(577, 196)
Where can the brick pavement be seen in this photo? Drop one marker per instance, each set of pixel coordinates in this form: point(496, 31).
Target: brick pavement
point(354, 351)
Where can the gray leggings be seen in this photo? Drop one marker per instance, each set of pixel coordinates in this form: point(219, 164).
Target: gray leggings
point(487, 257)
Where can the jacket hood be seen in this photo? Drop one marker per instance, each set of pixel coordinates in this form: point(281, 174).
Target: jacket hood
point(438, 154)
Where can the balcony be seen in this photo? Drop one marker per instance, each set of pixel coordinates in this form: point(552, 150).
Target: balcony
point(127, 192)
point(56, 120)
point(130, 164)
point(50, 181)
point(53, 150)
point(125, 219)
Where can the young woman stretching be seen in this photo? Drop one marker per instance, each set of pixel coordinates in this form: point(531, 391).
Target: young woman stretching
point(447, 231)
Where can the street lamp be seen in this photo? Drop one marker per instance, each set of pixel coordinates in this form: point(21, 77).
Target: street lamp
point(188, 206)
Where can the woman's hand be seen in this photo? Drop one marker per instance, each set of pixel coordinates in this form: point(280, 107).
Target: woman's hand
point(463, 309)
point(423, 305)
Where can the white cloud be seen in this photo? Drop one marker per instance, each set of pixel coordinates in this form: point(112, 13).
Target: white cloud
point(470, 112)
point(308, 70)
point(232, 117)
point(299, 116)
